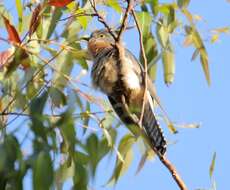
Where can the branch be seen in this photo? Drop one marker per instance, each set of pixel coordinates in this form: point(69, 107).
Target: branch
point(145, 64)
point(125, 19)
point(162, 158)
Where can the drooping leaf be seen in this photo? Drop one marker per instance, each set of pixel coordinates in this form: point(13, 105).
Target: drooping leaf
point(19, 7)
point(63, 173)
point(162, 34)
point(169, 66)
point(212, 165)
point(144, 21)
point(199, 45)
point(58, 3)
point(36, 109)
point(66, 126)
point(58, 97)
point(151, 53)
point(96, 150)
point(56, 15)
point(13, 35)
point(125, 149)
point(35, 19)
point(43, 172)
point(183, 3)
point(80, 179)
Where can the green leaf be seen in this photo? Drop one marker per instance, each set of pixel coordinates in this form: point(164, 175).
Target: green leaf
point(169, 66)
point(154, 4)
point(199, 45)
point(63, 173)
point(43, 172)
point(55, 16)
point(212, 166)
point(144, 21)
point(125, 150)
point(162, 34)
point(66, 125)
point(115, 5)
point(36, 109)
point(63, 69)
point(183, 3)
point(204, 61)
point(80, 178)
point(83, 20)
point(57, 96)
point(20, 13)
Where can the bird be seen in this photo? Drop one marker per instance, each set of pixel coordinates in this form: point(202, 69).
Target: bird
point(123, 83)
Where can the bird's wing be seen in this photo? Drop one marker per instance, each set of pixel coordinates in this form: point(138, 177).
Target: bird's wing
point(150, 86)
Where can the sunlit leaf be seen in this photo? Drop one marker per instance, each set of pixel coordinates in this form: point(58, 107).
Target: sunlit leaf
point(199, 45)
point(169, 66)
point(83, 20)
point(162, 34)
point(214, 38)
point(115, 5)
point(144, 21)
point(19, 7)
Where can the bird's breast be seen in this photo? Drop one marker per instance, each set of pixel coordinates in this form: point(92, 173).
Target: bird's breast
point(104, 75)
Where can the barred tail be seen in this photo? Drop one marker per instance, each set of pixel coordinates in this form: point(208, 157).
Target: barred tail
point(153, 130)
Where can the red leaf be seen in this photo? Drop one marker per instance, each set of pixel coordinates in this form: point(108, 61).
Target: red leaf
point(59, 3)
point(5, 56)
point(12, 32)
point(35, 20)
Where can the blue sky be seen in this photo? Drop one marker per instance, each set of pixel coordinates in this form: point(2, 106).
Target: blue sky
point(189, 100)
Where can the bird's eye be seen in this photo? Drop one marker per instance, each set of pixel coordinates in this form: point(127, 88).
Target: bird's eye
point(101, 35)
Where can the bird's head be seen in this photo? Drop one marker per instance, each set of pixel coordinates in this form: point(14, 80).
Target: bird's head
point(100, 40)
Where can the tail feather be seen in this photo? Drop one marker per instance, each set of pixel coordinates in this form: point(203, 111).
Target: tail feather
point(149, 122)
point(153, 130)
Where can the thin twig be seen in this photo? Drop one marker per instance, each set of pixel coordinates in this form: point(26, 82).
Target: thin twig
point(125, 19)
point(56, 115)
point(101, 19)
point(145, 65)
point(79, 15)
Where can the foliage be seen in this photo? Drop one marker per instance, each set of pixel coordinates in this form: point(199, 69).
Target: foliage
point(69, 129)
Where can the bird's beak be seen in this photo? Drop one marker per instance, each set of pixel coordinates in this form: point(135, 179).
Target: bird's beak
point(85, 38)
